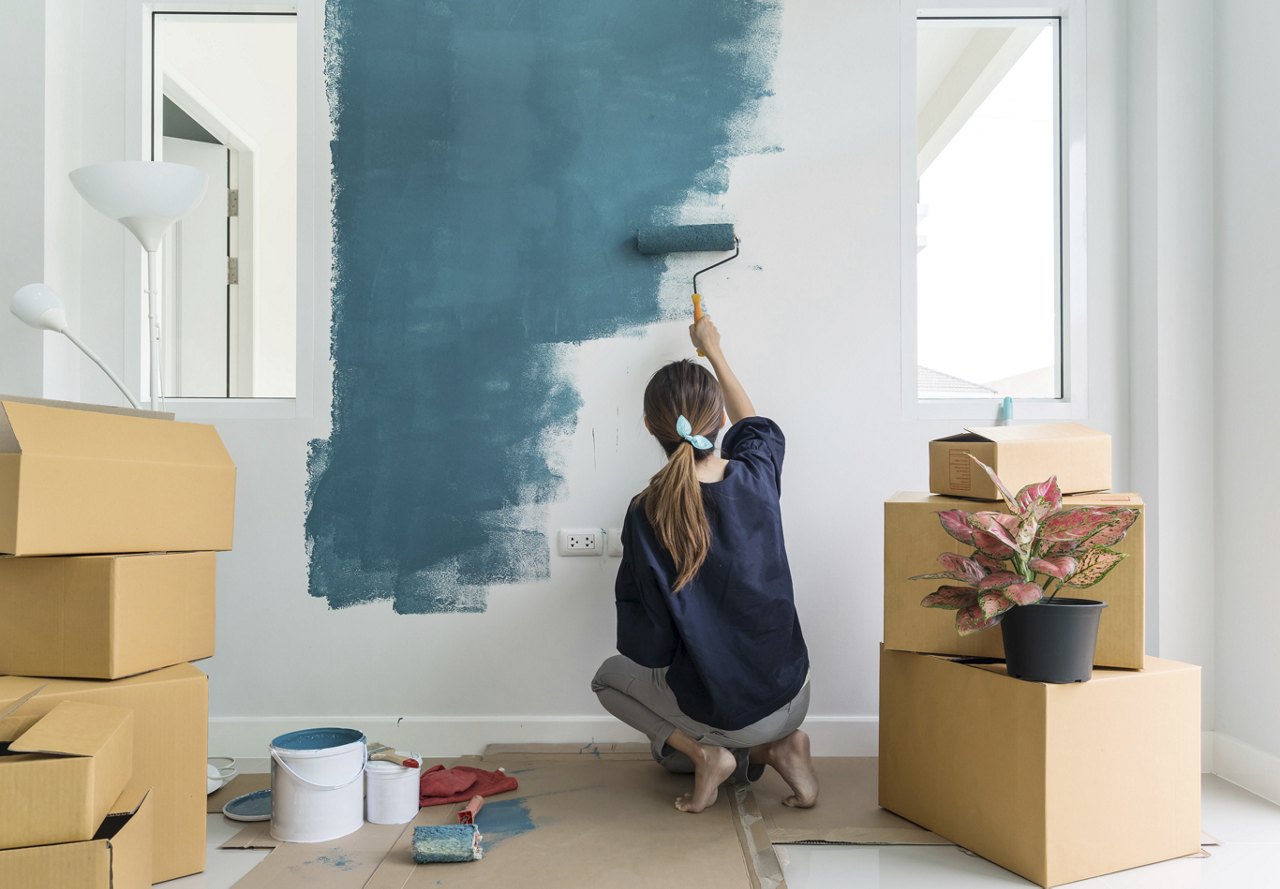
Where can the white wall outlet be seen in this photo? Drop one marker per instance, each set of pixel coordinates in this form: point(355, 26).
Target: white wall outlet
point(581, 541)
point(613, 537)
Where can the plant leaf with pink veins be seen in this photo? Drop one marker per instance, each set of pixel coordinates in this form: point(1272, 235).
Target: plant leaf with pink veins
point(998, 581)
point(1096, 563)
point(994, 524)
point(1025, 593)
point(958, 567)
point(952, 597)
point(956, 523)
point(1112, 534)
point(994, 604)
point(971, 620)
point(987, 562)
point(1060, 567)
point(1040, 499)
point(1000, 486)
point(992, 547)
point(1063, 532)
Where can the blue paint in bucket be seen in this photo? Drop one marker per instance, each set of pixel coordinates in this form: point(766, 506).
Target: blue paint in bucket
point(318, 739)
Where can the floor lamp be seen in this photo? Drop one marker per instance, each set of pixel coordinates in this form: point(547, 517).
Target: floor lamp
point(146, 197)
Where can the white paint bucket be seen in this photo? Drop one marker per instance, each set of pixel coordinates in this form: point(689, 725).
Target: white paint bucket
point(316, 791)
point(391, 791)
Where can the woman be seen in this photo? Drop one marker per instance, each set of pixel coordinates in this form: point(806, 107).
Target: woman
point(712, 666)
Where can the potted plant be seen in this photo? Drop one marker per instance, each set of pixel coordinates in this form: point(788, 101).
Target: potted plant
point(1020, 562)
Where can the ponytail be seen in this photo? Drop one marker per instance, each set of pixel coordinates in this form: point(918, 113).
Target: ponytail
point(673, 503)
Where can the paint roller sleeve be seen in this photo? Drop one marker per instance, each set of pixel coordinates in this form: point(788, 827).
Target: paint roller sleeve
point(685, 238)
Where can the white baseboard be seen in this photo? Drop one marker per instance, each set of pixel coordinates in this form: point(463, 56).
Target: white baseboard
point(247, 738)
point(1255, 770)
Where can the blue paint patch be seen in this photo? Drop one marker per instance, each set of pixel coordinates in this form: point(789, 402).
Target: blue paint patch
point(338, 861)
point(502, 820)
point(492, 162)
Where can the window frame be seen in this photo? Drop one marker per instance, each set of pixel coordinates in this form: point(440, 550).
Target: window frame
point(1072, 314)
point(314, 255)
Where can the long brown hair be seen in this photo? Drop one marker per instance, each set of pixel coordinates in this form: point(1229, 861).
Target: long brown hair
point(673, 500)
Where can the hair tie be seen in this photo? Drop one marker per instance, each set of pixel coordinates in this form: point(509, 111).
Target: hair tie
point(686, 432)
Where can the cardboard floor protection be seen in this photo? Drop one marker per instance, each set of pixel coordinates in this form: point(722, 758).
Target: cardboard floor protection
point(237, 786)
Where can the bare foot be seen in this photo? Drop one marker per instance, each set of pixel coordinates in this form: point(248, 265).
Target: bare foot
point(712, 766)
point(790, 757)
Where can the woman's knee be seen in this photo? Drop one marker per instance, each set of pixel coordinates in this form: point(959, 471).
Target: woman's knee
point(613, 673)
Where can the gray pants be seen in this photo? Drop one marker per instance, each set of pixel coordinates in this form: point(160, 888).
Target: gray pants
point(640, 697)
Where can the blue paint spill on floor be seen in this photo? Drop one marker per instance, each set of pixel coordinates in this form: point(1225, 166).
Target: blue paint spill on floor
point(491, 164)
point(503, 820)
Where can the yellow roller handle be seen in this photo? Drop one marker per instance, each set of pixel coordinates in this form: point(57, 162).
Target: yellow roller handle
point(697, 315)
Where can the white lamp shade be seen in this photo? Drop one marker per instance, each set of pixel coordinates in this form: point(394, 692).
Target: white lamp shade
point(38, 306)
point(145, 196)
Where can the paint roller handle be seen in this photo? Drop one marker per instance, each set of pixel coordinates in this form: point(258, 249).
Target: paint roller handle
point(697, 316)
point(467, 815)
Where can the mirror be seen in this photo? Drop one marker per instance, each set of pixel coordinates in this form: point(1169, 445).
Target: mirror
point(224, 99)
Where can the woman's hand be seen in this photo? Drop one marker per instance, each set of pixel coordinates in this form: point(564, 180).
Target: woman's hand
point(705, 336)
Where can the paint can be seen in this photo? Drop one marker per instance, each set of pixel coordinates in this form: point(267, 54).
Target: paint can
point(391, 791)
point(316, 791)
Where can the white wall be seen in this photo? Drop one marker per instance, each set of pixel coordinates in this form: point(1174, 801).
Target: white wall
point(814, 334)
point(1247, 421)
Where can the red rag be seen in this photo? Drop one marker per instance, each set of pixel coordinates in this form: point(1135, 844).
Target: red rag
point(439, 785)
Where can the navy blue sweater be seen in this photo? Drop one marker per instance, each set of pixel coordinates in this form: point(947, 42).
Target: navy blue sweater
point(730, 637)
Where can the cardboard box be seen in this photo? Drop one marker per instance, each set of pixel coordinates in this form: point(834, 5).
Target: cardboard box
point(62, 771)
point(1054, 782)
point(913, 539)
point(118, 857)
point(171, 743)
point(1021, 455)
point(103, 617)
point(77, 480)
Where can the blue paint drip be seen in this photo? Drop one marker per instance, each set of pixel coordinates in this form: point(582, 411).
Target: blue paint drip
point(503, 820)
point(492, 162)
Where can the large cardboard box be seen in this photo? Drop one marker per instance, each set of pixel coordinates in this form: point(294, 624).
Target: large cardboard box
point(1021, 455)
point(171, 744)
point(118, 856)
point(913, 539)
point(104, 617)
point(78, 479)
point(1054, 782)
point(60, 773)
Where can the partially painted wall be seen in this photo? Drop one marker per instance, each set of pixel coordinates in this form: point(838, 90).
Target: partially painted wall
point(491, 164)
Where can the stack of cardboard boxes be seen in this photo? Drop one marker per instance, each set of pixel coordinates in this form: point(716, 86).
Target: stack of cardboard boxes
point(1054, 782)
point(109, 521)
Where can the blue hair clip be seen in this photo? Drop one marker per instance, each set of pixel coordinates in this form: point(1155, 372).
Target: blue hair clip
point(686, 432)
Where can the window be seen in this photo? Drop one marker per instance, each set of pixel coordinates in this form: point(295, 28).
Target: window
point(994, 248)
point(225, 99)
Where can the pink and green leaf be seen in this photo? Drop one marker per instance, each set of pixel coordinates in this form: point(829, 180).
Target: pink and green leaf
point(972, 620)
point(993, 604)
point(958, 567)
point(1060, 567)
point(995, 524)
point(1000, 486)
point(1041, 499)
point(1114, 533)
point(1096, 563)
point(1063, 532)
point(951, 597)
point(990, 564)
point(998, 581)
point(1024, 593)
point(956, 523)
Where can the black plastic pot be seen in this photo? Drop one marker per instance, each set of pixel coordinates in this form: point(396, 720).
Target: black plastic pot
point(1053, 640)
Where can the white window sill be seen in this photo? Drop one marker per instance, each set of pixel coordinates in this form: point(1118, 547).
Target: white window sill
point(987, 410)
point(203, 409)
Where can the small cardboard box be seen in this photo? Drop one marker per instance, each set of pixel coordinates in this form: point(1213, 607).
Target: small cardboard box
point(171, 743)
point(79, 479)
point(1057, 783)
point(118, 856)
point(913, 539)
point(1021, 455)
point(60, 772)
point(104, 617)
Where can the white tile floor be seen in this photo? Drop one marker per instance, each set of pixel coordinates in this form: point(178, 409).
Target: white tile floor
point(1248, 857)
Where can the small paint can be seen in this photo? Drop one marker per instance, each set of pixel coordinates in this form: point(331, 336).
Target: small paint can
point(391, 791)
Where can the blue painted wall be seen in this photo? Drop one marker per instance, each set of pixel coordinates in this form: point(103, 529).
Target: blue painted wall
point(492, 161)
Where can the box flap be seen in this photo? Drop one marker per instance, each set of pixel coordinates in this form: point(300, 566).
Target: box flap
point(75, 729)
point(42, 429)
point(1032, 432)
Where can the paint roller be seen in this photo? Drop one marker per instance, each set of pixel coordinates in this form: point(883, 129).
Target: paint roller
point(433, 843)
point(707, 238)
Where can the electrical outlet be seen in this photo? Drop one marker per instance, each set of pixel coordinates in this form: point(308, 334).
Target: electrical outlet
point(613, 539)
point(581, 541)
